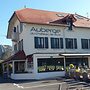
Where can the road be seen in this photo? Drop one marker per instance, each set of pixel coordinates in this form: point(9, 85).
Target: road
point(51, 84)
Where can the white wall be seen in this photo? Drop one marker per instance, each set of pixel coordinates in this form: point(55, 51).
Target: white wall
point(22, 76)
point(75, 33)
point(28, 38)
point(15, 25)
point(78, 33)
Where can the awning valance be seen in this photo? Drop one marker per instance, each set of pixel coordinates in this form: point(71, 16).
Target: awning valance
point(20, 55)
point(82, 54)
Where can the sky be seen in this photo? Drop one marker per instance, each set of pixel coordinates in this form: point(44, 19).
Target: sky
point(7, 8)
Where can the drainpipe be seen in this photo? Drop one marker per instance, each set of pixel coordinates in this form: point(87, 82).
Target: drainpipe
point(13, 70)
point(64, 48)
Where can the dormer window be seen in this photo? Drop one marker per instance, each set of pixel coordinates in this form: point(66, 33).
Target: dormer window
point(69, 23)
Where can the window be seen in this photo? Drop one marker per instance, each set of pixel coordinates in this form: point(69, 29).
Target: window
point(60, 15)
point(41, 42)
point(56, 43)
point(14, 29)
point(71, 43)
point(79, 16)
point(15, 47)
point(70, 24)
point(20, 45)
point(50, 64)
point(21, 27)
point(19, 67)
point(17, 28)
point(85, 43)
point(77, 61)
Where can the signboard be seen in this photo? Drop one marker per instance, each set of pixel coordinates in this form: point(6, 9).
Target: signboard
point(44, 31)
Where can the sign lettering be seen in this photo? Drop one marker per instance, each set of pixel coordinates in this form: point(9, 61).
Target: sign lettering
point(44, 31)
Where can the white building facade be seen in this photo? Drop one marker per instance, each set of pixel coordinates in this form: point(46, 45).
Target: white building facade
point(46, 43)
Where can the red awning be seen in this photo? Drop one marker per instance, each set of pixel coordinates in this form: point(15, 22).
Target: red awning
point(20, 55)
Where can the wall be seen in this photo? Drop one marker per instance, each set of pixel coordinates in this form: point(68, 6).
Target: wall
point(46, 74)
point(22, 76)
point(78, 33)
point(15, 25)
point(35, 74)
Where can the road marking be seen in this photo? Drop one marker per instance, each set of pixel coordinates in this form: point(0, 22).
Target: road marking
point(45, 85)
point(37, 86)
point(17, 85)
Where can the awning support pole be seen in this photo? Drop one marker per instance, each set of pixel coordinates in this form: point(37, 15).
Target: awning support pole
point(13, 67)
point(64, 63)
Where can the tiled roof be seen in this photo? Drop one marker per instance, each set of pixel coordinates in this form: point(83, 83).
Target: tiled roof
point(37, 16)
point(29, 15)
point(20, 55)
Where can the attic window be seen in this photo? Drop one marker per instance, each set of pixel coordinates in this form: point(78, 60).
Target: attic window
point(79, 17)
point(60, 15)
point(69, 23)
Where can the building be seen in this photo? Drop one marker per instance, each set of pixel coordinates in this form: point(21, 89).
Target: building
point(44, 43)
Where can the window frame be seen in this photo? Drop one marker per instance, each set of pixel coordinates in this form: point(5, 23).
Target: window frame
point(56, 43)
point(71, 43)
point(84, 42)
point(41, 43)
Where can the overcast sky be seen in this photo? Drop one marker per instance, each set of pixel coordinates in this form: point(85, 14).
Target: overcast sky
point(7, 7)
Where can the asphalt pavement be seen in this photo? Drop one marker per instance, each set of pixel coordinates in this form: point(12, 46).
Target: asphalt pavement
point(48, 84)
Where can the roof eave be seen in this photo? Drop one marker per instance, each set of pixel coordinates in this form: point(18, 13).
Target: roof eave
point(81, 27)
point(8, 36)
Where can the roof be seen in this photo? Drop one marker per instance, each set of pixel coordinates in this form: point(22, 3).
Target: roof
point(29, 15)
point(20, 55)
point(34, 16)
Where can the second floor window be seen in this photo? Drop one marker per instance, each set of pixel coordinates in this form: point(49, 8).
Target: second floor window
point(20, 45)
point(71, 43)
point(41, 42)
point(56, 43)
point(85, 43)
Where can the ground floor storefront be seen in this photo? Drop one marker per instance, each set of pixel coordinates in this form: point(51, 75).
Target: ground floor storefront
point(40, 66)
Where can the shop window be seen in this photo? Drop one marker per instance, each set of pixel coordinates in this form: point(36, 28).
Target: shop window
point(50, 64)
point(19, 67)
point(77, 61)
point(41, 42)
point(57, 43)
point(71, 43)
